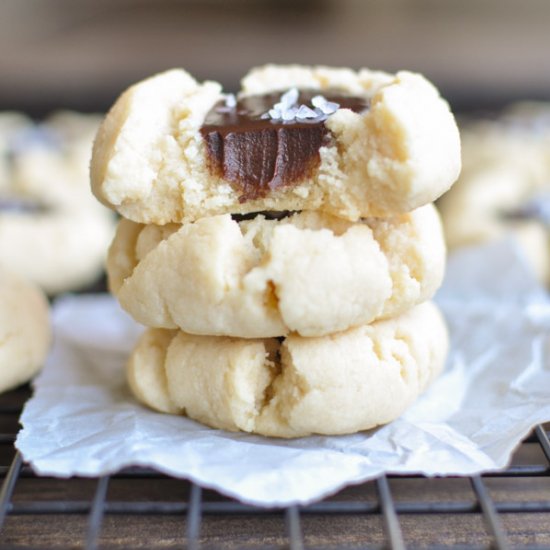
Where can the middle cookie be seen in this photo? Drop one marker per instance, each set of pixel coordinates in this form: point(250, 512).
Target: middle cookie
point(309, 273)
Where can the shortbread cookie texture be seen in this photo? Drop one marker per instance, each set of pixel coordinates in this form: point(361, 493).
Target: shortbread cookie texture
point(343, 383)
point(309, 273)
point(352, 144)
point(25, 332)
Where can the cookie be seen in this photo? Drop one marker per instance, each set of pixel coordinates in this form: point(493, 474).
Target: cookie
point(309, 273)
point(343, 383)
point(506, 165)
point(11, 123)
point(52, 230)
point(351, 144)
point(25, 332)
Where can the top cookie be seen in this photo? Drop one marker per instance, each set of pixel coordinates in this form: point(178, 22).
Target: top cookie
point(352, 144)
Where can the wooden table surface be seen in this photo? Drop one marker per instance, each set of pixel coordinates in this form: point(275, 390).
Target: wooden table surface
point(143, 509)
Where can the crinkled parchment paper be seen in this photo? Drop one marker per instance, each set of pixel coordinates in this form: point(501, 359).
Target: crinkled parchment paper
point(83, 421)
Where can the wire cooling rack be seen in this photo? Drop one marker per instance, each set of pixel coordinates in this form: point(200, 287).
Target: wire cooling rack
point(140, 508)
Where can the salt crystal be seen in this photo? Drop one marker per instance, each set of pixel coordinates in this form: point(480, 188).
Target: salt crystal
point(290, 114)
point(288, 110)
point(290, 98)
point(305, 112)
point(331, 107)
point(327, 107)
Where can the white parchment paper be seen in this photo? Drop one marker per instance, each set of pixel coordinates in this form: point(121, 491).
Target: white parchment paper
point(83, 421)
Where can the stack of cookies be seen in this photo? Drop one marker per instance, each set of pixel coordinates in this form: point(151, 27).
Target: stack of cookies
point(280, 244)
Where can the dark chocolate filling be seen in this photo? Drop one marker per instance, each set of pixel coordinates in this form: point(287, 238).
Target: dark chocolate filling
point(258, 155)
point(267, 214)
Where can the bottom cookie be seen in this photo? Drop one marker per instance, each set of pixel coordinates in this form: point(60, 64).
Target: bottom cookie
point(336, 384)
point(25, 332)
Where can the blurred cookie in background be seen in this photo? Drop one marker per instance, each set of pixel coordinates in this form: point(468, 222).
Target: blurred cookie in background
point(52, 231)
point(11, 123)
point(25, 332)
point(504, 187)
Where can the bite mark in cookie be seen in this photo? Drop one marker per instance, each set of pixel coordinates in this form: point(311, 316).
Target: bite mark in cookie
point(309, 273)
point(262, 142)
point(150, 159)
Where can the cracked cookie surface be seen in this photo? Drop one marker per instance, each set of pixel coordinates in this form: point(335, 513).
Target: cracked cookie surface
point(337, 384)
point(309, 273)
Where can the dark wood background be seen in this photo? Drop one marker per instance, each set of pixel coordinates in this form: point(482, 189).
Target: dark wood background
point(82, 53)
point(47, 513)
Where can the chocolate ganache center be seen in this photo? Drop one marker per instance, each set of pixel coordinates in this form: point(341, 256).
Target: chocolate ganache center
point(250, 145)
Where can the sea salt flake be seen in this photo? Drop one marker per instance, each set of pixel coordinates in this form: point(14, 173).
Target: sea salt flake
point(288, 110)
point(304, 112)
point(327, 107)
point(290, 114)
point(288, 99)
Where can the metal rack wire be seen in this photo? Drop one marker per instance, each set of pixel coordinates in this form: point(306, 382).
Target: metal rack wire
point(386, 504)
